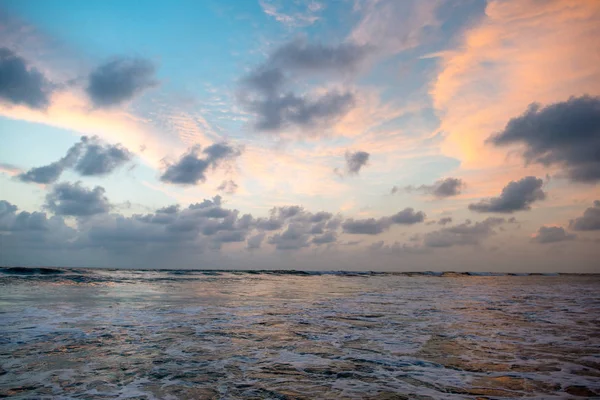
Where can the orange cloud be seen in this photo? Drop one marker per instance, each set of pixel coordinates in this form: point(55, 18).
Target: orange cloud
point(522, 52)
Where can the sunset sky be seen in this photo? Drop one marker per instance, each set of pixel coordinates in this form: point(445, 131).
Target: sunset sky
point(335, 135)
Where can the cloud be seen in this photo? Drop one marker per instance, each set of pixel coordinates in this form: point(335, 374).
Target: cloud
point(516, 196)
point(268, 94)
point(289, 110)
point(565, 133)
point(46, 174)
point(552, 234)
point(228, 187)
point(75, 200)
point(446, 187)
point(590, 221)
point(379, 24)
point(120, 80)
point(27, 231)
point(462, 234)
point(372, 226)
point(326, 238)
point(100, 159)
point(507, 59)
point(355, 161)
point(20, 84)
point(293, 238)
point(255, 241)
point(444, 221)
point(88, 157)
point(408, 216)
point(304, 13)
point(10, 169)
point(301, 57)
point(191, 169)
point(369, 226)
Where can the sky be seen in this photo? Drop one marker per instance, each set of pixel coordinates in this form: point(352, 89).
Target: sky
point(318, 135)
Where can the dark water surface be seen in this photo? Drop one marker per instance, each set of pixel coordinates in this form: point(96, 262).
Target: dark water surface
point(97, 334)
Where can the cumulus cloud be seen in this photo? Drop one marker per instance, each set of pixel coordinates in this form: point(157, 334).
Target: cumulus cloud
point(441, 188)
point(228, 187)
point(368, 226)
point(551, 234)
point(590, 221)
point(516, 196)
point(120, 80)
point(75, 200)
point(326, 238)
point(31, 230)
point(20, 84)
point(46, 174)
point(290, 110)
point(192, 167)
point(293, 238)
point(444, 220)
point(408, 216)
point(463, 234)
point(255, 241)
point(267, 91)
point(372, 226)
point(302, 57)
point(565, 134)
point(355, 161)
point(100, 159)
point(88, 157)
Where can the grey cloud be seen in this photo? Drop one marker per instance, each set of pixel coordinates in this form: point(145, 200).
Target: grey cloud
point(228, 187)
point(302, 57)
point(191, 168)
point(266, 81)
point(230, 236)
point(318, 228)
point(372, 226)
point(516, 196)
point(20, 84)
point(46, 174)
point(408, 216)
point(565, 133)
point(101, 159)
point(172, 209)
point(266, 91)
point(441, 188)
point(320, 216)
point(88, 157)
point(355, 161)
point(462, 234)
point(255, 241)
point(552, 234)
point(369, 226)
point(293, 238)
point(444, 221)
point(119, 80)
point(75, 200)
point(326, 238)
point(590, 221)
point(31, 230)
point(270, 224)
point(289, 110)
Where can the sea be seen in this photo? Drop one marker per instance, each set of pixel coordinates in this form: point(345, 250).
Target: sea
point(171, 334)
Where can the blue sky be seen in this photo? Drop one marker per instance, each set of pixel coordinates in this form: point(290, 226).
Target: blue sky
point(378, 113)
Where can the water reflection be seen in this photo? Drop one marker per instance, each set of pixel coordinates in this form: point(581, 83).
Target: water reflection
point(133, 334)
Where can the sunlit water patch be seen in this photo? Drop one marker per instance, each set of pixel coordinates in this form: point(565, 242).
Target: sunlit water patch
point(103, 334)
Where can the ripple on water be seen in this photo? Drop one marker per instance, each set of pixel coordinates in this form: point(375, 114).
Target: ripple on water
point(155, 335)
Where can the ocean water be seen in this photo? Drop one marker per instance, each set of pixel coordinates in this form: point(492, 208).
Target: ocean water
point(105, 334)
